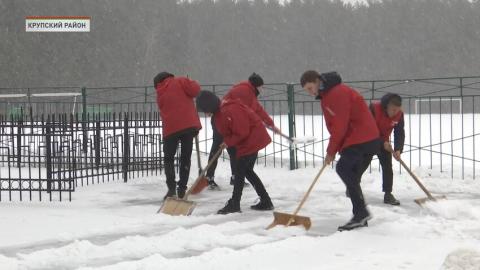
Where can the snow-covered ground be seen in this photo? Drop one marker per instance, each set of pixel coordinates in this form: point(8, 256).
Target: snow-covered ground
point(115, 226)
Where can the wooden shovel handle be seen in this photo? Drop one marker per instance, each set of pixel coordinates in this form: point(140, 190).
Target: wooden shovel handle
point(281, 134)
point(204, 171)
point(308, 191)
point(419, 183)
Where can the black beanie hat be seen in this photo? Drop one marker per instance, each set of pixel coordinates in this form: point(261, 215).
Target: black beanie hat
point(207, 102)
point(255, 80)
point(160, 77)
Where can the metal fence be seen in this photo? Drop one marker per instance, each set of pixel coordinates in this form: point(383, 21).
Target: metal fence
point(49, 158)
point(441, 130)
point(93, 100)
point(114, 133)
point(440, 123)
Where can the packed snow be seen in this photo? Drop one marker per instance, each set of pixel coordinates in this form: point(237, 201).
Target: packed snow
point(462, 259)
point(115, 226)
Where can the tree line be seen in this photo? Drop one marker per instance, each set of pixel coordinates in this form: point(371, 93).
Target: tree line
point(223, 41)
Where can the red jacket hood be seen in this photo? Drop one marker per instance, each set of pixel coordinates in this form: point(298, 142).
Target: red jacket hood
point(249, 85)
point(161, 87)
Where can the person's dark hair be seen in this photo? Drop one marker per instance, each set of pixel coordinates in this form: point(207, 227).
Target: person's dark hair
point(309, 76)
point(391, 98)
point(207, 102)
point(160, 77)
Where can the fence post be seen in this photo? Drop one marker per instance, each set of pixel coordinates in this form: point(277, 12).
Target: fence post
point(19, 141)
point(84, 102)
point(373, 91)
point(72, 166)
point(97, 144)
point(29, 99)
point(48, 157)
point(291, 124)
point(463, 135)
point(126, 149)
point(84, 120)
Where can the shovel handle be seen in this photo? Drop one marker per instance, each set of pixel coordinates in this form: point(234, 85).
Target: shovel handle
point(204, 171)
point(419, 183)
point(281, 134)
point(307, 193)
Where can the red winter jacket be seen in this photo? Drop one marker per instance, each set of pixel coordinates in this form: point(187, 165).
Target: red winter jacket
point(347, 117)
point(386, 124)
point(247, 94)
point(241, 128)
point(175, 101)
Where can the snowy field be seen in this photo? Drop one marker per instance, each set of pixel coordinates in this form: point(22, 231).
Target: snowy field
point(115, 226)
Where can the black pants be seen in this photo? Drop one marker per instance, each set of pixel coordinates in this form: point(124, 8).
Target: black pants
point(217, 141)
point(385, 159)
point(353, 162)
point(245, 166)
point(170, 144)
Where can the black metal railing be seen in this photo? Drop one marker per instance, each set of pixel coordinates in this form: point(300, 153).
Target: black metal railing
point(111, 134)
point(47, 159)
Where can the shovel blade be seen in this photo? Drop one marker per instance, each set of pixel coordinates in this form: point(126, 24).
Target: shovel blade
point(201, 185)
point(421, 201)
point(177, 207)
point(290, 220)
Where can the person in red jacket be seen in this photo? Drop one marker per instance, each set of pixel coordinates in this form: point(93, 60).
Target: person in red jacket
point(388, 115)
point(246, 92)
point(353, 134)
point(242, 129)
point(180, 124)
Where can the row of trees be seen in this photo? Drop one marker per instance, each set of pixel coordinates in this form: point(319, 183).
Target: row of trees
point(224, 41)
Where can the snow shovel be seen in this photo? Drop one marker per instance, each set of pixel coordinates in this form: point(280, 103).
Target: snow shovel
point(203, 183)
point(294, 141)
point(182, 206)
point(293, 219)
point(419, 183)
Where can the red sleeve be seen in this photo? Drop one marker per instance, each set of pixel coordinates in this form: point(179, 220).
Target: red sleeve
point(245, 94)
point(191, 87)
point(236, 127)
point(260, 111)
point(337, 116)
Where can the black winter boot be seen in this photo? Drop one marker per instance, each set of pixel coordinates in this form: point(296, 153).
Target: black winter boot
point(230, 207)
point(263, 205)
point(357, 222)
point(390, 199)
point(180, 193)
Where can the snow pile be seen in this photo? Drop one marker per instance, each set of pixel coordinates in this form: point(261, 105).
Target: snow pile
point(178, 241)
point(8, 263)
point(453, 209)
point(462, 259)
point(115, 226)
point(339, 251)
